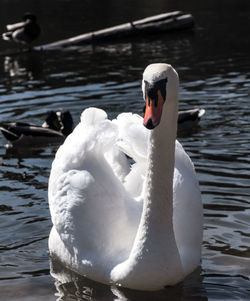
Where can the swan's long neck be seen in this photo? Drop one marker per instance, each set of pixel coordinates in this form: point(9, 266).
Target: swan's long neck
point(155, 252)
point(158, 193)
point(154, 257)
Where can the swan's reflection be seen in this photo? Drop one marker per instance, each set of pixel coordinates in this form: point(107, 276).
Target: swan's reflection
point(72, 286)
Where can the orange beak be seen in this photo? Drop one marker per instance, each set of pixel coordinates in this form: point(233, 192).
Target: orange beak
point(152, 116)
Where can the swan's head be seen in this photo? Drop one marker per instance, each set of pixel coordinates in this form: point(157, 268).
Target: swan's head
point(159, 85)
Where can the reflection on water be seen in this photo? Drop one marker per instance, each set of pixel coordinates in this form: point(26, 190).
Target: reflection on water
point(25, 66)
point(72, 286)
point(214, 74)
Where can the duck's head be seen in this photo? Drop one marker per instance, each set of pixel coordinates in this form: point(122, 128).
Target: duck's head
point(29, 17)
point(159, 85)
point(66, 122)
point(60, 121)
point(52, 121)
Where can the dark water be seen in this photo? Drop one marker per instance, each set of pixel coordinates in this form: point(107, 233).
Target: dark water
point(213, 65)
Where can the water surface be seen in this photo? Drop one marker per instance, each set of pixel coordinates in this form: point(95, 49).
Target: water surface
point(213, 65)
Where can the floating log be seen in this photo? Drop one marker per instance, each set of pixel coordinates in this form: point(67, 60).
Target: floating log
point(164, 22)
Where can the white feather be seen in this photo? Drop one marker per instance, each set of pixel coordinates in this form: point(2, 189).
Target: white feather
point(104, 225)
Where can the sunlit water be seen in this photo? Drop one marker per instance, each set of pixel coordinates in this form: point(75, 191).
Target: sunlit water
point(213, 66)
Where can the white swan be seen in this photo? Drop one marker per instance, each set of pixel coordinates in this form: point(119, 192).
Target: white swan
point(138, 228)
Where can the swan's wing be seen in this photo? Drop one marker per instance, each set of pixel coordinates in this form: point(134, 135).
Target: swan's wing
point(134, 181)
point(119, 162)
point(133, 136)
point(88, 211)
point(188, 215)
point(88, 203)
point(113, 155)
point(133, 141)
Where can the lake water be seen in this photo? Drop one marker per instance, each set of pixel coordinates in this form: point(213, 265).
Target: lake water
point(214, 69)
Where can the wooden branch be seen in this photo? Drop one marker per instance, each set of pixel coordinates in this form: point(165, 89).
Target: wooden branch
point(176, 20)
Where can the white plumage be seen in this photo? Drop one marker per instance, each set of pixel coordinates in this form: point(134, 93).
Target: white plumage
point(140, 226)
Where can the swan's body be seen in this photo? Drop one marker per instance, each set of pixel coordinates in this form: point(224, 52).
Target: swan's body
point(141, 229)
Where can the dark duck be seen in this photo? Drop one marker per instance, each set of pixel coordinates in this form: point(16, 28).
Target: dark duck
point(188, 119)
point(57, 126)
point(23, 33)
